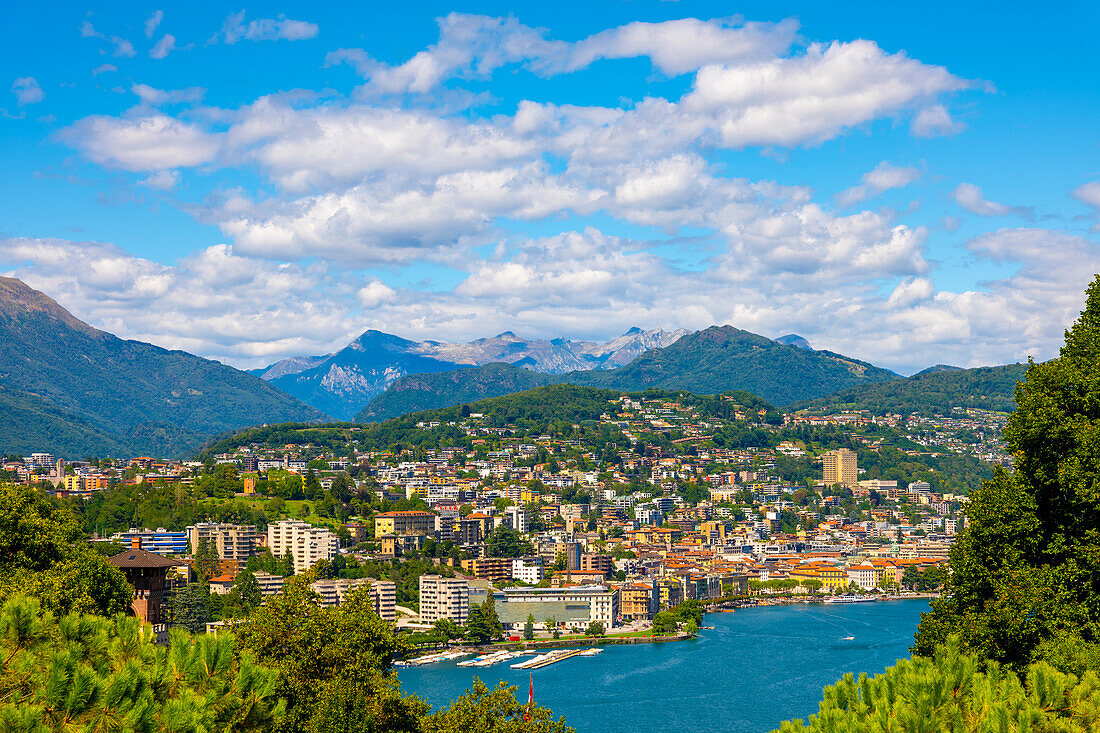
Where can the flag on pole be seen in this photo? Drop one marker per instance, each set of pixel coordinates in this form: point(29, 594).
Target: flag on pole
point(530, 699)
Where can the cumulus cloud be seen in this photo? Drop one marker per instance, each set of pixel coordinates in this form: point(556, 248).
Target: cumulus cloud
point(163, 47)
point(971, 198)
point(162, 180)
point(214, 302)
point(810, 98)
point(146, 143)
point(103, 69)
point(882, 178)
point(27, 91)
point(235, 29)
point(152, 96)
point(1089, 195)
point(680, 46)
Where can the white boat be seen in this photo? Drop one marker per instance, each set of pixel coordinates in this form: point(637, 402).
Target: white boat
point(590, 652)
point(851, 599)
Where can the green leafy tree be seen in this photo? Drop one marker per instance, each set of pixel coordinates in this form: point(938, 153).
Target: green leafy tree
point(507, 542)
point(529, 627)
point(447, 629)
point(246, 591)
point(335, 665)
point(43, 552)
point(596, 629)
point(665, 622)
point(1027, 566)
point(484, 710)
point(89, 673)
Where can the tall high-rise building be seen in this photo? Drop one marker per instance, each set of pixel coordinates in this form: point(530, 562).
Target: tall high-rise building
point(232, 541)
point(839, 467)
point(306, 543)
point(444, 598)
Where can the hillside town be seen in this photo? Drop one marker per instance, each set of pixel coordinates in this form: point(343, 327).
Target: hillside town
point(559, 529)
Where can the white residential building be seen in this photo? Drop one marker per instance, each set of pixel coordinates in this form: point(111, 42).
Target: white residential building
point(306, 544)
point(444, 598)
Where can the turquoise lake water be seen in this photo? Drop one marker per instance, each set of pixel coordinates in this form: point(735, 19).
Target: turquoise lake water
point(758, 667)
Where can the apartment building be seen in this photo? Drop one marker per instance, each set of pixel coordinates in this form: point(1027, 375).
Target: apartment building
point(839, 467)
point(233, 541)
point(270, 584)
point(639, 602)
point(306, 544)
point(527, 569)
point(407, 522)
point(444, 598)
point(382, 593)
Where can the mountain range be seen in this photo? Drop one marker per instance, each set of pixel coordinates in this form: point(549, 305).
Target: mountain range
point(714, 360)
point(71, 389)
point(344, 382)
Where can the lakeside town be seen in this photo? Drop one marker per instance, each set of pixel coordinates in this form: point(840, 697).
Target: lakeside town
point(553, 530)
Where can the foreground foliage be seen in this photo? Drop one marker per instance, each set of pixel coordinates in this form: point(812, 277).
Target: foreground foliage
point(1025, 582)
point(949, 692)
point(75, 673)
point(43, 553)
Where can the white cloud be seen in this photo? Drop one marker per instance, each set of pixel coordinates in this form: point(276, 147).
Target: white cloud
point(970, 197)
point(935, 121)
point(147, 143)
point(882, 178)
point(813, 97)
point(214, 302)
point(266, 29)
point(152, 22)
point(1088, 194)
point(163, 47)
point(27, 91)
point(155, 97)
point(162, 180)
point(103, 69)
point(123, 48)
point(680, 46)
point(374, 293)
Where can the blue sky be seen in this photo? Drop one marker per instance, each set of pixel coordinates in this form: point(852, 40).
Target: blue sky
point(904, 185)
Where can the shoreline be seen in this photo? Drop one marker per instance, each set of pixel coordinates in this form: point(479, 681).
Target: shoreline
point(539, 644)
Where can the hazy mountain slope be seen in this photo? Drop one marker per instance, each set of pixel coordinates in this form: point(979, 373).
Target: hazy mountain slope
point(715, 360)
point(413, 392)
point(987, 388)
point(341, 384)
point(141, 395)
point(346, 381)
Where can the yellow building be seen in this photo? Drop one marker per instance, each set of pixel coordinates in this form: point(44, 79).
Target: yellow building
point(839, 467)
point(409, 522)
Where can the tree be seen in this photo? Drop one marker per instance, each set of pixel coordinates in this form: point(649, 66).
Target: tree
point(595, 629)
point(665, 622)
point(448, 629)
point(482, 710)
point(335, 664)
point(1026, 567)
point(246, 591)
point(813, 585)
point(529, 627)
point(205, 560)
point(483, 625)
point(93, 673)
point(191, 607)
point(950, 692)
point(42, 552)
point(507, 542)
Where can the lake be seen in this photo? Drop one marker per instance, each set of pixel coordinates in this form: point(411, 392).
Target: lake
point(756, 668)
